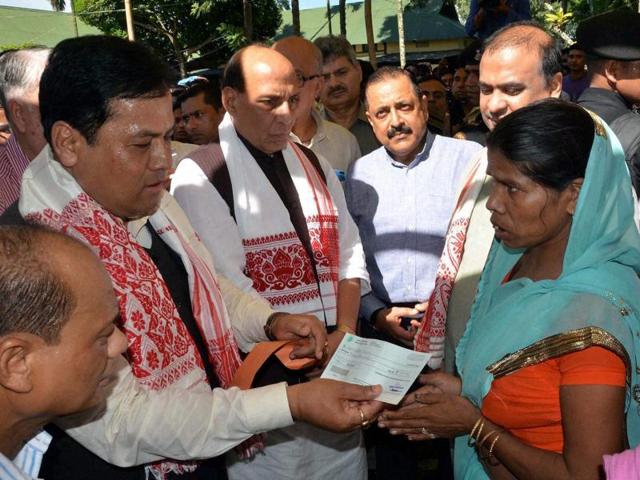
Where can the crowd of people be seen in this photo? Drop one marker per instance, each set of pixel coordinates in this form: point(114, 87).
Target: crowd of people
point(179, 260)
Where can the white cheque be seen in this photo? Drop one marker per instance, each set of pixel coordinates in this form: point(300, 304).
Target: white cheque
point(365, 361)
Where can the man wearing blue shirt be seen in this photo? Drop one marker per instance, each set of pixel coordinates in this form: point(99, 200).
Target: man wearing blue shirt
point(402, 196)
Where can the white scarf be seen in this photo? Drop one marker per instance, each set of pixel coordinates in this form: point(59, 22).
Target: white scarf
point(432, 328)
point(276, 260)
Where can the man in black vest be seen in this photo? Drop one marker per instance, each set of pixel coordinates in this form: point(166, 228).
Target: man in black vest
point(279, 229)
point(107, 117)
point(612, 43)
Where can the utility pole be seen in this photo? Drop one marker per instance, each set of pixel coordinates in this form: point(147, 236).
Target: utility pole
point(403, 58)
point(329, 16)
point(129, 15)
point(75, 19)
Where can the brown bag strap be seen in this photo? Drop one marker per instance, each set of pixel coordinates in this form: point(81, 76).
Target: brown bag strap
point(245, 375)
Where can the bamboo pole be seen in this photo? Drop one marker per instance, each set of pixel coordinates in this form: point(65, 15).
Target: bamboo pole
point(129, 15)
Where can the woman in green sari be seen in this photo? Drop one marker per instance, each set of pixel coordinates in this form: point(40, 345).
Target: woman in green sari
point(548, 362)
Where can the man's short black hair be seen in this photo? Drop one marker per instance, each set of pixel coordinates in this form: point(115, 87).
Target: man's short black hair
point(384, 74)
point(333, 47)
point(84, 75)
point(210, 88)
point(513, 35)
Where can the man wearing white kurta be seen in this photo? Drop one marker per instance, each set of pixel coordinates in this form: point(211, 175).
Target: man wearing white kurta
point(281, 231)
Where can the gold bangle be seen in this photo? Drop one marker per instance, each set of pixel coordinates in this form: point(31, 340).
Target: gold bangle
point(493, 444)
point(341, 327)
point(479, 425)
point(480, 443)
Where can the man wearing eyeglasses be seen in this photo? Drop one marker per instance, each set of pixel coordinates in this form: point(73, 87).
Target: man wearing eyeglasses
point(341, 92)
point(274, 218)
point(202, 111)
point(330, 140)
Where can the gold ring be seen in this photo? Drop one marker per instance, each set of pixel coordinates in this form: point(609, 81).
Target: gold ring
point(363, 421)
point(427, 433)
point(325, 350)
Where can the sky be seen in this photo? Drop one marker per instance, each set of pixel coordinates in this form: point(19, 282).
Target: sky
point(46, 5)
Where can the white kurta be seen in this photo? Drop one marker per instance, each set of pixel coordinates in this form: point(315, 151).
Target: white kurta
point(140, 425)
point(299, 451)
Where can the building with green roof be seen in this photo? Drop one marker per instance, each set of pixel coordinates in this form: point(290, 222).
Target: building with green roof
point(24, 26)
point(428, 34)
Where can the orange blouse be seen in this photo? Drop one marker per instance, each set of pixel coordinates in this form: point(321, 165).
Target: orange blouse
point(527, 402)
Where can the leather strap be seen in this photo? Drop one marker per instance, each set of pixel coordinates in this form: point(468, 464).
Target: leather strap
point(261, 352)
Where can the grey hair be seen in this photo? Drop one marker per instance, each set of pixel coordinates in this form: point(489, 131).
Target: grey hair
point(20, 72)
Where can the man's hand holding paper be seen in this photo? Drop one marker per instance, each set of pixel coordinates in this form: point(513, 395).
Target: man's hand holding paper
point(365, 361)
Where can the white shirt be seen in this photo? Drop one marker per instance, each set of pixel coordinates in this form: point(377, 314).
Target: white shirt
point(141, 426)
point(8, 471)
point(335, 143)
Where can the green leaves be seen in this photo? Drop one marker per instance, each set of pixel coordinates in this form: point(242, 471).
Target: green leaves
point(190, 34)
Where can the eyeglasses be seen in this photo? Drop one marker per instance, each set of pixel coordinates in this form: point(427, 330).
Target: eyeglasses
point(302, 79)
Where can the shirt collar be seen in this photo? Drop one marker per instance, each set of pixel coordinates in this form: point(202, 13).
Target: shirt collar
point(421, 156)
point(138, 231)
point(320, 132)
point(259, 155)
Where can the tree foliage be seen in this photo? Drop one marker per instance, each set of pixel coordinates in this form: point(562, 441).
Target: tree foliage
point(560, 17)
point(182, 31)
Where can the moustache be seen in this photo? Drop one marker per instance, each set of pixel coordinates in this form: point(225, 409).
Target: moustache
point(393, 131)
point(338, 89)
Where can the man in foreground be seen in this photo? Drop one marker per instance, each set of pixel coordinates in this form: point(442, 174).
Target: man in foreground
point(107, 116)
point(278, 229)
point(57, 321)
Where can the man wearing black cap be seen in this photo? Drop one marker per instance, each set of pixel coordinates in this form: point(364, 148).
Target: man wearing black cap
point(612, 43)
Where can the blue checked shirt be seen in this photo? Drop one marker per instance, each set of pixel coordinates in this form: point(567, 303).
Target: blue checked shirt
point(402, 213)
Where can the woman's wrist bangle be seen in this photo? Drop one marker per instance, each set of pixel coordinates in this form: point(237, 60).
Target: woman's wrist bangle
point(490, 455)
point(480, 443)
point(475, 431)
point(493, 444)
point(341, 327)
